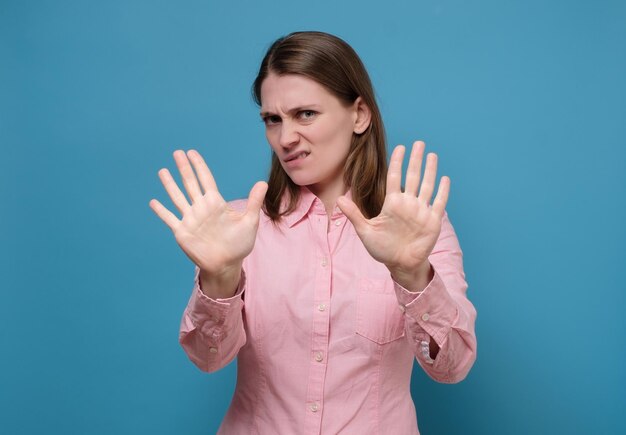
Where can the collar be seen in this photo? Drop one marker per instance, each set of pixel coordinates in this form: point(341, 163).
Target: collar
point(308, 204)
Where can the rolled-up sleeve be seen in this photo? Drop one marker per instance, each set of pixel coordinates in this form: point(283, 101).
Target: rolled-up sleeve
point(442, 312)
point(212, 330)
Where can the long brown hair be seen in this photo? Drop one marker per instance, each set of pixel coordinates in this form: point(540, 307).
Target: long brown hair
point(331, 62)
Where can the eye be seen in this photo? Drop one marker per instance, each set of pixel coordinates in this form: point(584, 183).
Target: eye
point(271, 119)
point(308, 114)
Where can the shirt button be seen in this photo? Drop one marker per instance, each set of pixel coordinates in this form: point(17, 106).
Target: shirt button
point(425, 317)
point(321, 307)
point(337, 222)
point(318, 356)
point(213, 349)
point(402, 308)
point(324, 262)
point(314, 407)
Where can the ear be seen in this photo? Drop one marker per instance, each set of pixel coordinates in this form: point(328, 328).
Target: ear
point(363, 115)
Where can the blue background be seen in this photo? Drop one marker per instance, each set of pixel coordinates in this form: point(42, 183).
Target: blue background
point(525, 103)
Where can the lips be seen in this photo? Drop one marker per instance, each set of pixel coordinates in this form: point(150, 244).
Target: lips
point(296, 156)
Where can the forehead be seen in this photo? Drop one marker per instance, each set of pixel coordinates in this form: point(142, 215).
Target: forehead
point(289, 90)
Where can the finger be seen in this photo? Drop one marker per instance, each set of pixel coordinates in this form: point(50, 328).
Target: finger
point(414, 168)
point(430, 174)
point(352, 212)
point(166, 216)
point(256, 197)
point(189, 178)
point(204, 173)
point(394, 173)
point(439, 205)
point(173, 191)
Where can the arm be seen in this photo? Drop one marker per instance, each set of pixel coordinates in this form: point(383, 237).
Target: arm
point(409, 236)
point(439, 321)
point(211, 329)
point(217, 237)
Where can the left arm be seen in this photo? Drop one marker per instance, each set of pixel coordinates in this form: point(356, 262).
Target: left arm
point(417, 243)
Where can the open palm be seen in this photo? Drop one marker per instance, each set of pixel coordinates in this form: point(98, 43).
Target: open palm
point(404, 234)
point(211, 234)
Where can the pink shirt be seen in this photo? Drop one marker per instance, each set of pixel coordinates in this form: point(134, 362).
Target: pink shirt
point(325, 339)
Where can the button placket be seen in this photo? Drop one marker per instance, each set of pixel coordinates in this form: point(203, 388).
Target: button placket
point(321, 227)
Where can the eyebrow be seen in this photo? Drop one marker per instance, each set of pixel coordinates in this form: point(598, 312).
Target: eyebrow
point(293, 110)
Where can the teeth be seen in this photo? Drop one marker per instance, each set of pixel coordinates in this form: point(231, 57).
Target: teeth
point(299, 156)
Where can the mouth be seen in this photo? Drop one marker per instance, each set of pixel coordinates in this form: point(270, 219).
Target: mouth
point(299, 156)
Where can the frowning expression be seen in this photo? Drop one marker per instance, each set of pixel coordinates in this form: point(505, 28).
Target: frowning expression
point(308, 128)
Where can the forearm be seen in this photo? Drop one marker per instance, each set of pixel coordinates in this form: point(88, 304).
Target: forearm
point(416, 282)
point(442, 319)
point(211, 330)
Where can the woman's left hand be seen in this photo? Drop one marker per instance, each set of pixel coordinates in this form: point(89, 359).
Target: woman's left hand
point(404, 234)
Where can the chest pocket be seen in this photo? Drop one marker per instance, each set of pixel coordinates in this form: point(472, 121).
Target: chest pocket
point(378, 316)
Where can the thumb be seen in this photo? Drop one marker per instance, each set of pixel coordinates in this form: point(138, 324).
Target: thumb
point(352, 212)
point(256, 197)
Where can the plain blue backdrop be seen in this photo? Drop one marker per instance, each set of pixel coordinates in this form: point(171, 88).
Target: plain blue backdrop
point(524, 101)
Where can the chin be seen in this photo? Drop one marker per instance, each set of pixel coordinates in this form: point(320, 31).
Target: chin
point(301, 179)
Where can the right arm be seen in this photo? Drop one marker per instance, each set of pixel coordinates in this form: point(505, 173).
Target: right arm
point(216, 237)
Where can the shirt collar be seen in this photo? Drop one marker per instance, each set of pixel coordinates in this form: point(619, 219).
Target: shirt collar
point(308, 204)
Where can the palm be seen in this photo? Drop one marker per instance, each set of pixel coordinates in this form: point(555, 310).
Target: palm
point(210, 233)
point(404, 233)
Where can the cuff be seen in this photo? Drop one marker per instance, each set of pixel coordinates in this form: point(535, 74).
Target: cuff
point(433, 308)
point(202, 309)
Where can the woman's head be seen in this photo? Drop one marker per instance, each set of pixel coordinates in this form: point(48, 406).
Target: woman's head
point(346, 138)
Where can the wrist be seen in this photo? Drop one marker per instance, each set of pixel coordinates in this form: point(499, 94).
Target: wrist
point(415, 279)
point(222, 284)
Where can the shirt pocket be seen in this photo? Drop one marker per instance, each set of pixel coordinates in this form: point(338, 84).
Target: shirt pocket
point(378, 315)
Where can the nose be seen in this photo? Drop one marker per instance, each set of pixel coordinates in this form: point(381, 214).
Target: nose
point(288, 134)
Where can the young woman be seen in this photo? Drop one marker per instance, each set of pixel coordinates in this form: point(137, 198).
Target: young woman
point(330, 279)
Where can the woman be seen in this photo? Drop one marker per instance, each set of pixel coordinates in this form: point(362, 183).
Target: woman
point(329, 279)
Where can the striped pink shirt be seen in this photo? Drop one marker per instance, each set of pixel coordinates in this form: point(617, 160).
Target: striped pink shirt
point(324, 338)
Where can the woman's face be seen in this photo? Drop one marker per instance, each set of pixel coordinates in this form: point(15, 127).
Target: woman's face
point(308, 128)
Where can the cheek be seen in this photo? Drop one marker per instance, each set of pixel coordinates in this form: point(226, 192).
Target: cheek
point(338, 135)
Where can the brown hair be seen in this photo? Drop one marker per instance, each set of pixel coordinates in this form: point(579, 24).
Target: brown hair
point(331, 62)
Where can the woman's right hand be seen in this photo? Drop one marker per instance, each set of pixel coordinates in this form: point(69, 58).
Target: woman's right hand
point(215, 237)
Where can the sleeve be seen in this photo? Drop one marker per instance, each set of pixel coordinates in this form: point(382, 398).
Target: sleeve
point(442, 312)
point(211, 330)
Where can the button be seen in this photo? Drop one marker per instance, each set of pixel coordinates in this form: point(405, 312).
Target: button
point(402, 308)
point(324, 262)
point(314, 407)
point(425, 317)
point(318, 356)
point(213, 349)
point(321, 307)
point(337, 222)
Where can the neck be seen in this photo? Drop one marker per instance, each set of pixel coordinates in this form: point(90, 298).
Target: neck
point(328, 194)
